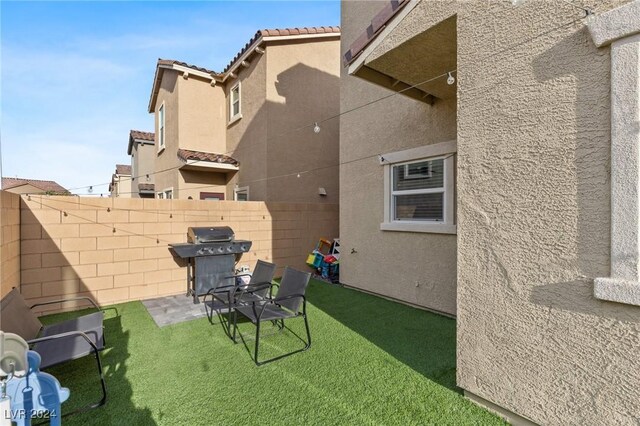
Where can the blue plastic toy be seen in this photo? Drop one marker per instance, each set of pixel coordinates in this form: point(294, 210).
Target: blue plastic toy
point(36, 395)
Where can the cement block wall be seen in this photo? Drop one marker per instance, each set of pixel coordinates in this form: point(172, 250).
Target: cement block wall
point(116, 250)
point(9, 241)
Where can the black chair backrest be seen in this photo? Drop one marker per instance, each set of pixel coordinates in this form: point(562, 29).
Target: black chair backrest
point(293, 282)
point(17, 318)
point(263, 273)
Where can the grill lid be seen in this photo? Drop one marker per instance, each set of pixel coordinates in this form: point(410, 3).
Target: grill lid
point(209, 234)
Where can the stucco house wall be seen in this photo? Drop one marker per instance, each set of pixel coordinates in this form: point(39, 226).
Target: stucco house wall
point(247, 137)
point(202, 125)
point(534, 220)
point(533, 211)
point(302, 88)
point(142, 164)
point(416, 268)
point(166, 159)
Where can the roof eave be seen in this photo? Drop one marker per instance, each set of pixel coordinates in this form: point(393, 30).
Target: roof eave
point(262, 39)
point(155, 88)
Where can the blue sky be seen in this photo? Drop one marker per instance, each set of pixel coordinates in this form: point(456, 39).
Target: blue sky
point(76, 76)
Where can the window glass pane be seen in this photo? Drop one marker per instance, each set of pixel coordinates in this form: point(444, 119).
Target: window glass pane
point(241, 196)
point(235, 109)
point(419, 207)
point(235, 94)
point(420, 175)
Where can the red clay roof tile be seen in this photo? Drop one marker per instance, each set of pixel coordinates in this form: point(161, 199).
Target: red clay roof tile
point(377, 24)
point(279, 32)
point(145, 136)
point(44, 185)
point(186, 154)
point(123, 169)
point(146, 187)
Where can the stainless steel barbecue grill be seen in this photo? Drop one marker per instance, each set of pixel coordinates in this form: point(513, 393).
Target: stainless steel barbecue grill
point(212, 252)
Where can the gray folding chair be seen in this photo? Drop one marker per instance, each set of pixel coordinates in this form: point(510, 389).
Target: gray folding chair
point(287, 303)
point(257, 289)
point(60, 342)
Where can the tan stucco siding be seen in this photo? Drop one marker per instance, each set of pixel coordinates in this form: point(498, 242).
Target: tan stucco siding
point(533, 135)
point(302, 87)
point(247, 137)
point(167, 160)
point(143, 163)
point(202, 125)
point(534, 221)
point(418, 268)
point(193, 182)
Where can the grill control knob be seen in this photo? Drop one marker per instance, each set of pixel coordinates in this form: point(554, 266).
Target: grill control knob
point(210, 250)
point(243, 247)
point(220, 249)
point(200, 252)
point(229, 249)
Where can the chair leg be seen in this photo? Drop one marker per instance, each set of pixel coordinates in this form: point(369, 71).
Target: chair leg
point(229, 316)
point(307, 343)
point(103, 385)
point(306, 326)
point(257, 342)
point(235, 325)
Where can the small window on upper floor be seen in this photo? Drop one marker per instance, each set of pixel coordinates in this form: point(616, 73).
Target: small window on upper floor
point(235, 112)
point(161, 128)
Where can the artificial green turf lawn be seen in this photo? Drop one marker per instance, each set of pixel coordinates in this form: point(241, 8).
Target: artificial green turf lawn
point(372, 361)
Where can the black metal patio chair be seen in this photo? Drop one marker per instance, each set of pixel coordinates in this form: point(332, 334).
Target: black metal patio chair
point(289, 302)
point(257, 289)
point(60, 342)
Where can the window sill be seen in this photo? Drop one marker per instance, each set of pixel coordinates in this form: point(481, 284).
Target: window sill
point(160, 150)
point(617, 290)
point(431, 228)
point(234, 119)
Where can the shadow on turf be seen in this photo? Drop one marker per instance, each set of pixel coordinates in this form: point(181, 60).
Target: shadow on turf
point(81, 378)
point(424, 341)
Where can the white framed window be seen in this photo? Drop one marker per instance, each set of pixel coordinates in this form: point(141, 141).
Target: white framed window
point(161, 127)
point(235, 111)
point(241, 193)
point(419, 187)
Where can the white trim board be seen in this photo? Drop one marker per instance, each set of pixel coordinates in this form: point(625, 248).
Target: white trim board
point(425, 151)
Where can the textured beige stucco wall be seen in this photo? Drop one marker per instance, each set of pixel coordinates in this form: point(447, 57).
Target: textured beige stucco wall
point(417, 268)
point(166, 161)
point(302, 87)
point(143, 162)
point(247, 137)
point(202, 125)
point(534, 220)
point(193, 182)
point(78, 253)
point(9, 242)
point(534, 216)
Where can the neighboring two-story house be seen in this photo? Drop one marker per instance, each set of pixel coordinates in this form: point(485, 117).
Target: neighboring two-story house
point(141, 148)
point(249, 132)
point(120, 185)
